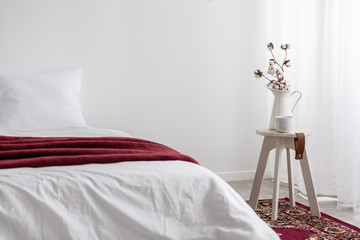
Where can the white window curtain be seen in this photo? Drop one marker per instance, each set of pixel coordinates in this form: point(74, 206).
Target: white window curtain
point(325, 56)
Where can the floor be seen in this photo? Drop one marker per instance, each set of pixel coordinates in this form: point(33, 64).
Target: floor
point(327, 205)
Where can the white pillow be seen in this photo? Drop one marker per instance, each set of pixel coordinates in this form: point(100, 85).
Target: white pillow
point(46, 100)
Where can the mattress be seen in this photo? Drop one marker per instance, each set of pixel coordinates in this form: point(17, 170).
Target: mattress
point(124, 200)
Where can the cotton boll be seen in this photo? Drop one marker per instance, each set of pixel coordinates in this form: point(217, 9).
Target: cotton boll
point(282, 86)
point(271, 70)
point(258, 73)
point(270, 46)
point(285, 46)
point(287, 63)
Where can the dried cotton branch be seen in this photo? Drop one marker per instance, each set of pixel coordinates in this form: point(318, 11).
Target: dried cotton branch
point(276, 72)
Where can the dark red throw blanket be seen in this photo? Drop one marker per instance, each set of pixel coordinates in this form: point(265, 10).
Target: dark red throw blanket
point(59, 151)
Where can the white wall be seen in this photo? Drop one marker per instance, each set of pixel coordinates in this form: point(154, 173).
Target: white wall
point(179, 72)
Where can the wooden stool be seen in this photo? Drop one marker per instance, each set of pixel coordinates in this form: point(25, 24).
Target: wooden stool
point(279, 141)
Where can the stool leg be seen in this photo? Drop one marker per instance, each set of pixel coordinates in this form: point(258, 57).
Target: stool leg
point(290, 179)
point(275, 200)
point(260, 170)
point(309, 185)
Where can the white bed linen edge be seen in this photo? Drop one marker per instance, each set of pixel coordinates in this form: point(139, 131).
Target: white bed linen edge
point(127, 200)
point(73, 132)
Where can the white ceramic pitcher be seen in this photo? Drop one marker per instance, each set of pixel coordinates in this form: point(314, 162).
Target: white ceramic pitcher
point(281, 106)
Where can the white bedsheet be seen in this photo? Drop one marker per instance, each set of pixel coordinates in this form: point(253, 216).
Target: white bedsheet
point(127, 200)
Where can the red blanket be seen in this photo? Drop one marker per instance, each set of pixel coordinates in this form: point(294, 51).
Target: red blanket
point(58, 151)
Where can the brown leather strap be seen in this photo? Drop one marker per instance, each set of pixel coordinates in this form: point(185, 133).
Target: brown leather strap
point(299, 143)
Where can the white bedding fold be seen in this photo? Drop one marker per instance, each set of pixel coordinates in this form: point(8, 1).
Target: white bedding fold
point(127, 200)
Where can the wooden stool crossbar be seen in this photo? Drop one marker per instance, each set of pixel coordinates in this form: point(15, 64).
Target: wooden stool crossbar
point(280, 141)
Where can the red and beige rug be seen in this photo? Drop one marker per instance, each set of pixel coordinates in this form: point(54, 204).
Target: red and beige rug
point(297, 223)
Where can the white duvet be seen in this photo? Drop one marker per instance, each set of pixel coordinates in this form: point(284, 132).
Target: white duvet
point(127, 200)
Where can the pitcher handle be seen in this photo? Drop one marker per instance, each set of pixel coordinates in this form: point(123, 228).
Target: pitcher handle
point(300, 95)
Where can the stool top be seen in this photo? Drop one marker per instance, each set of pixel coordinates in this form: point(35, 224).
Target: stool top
point(274, 133)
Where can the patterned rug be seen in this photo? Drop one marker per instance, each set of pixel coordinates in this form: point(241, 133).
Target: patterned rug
point(297, 223)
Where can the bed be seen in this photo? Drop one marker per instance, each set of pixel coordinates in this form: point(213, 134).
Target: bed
point(152, 199)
